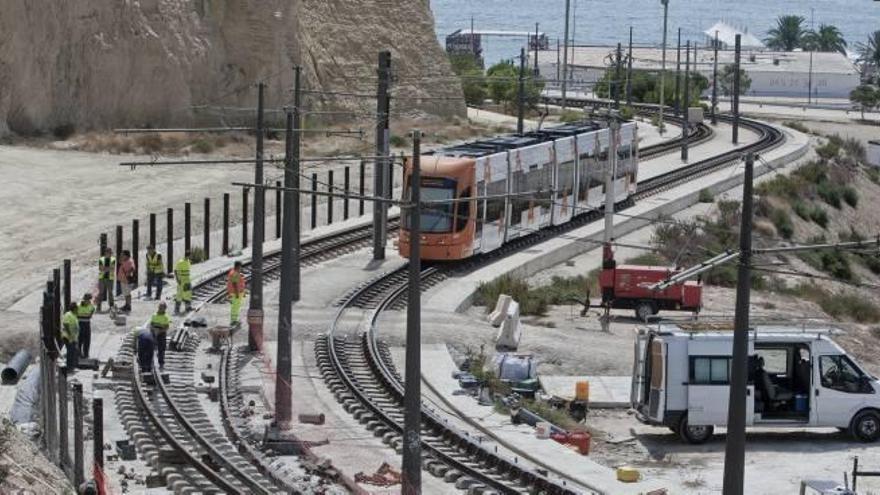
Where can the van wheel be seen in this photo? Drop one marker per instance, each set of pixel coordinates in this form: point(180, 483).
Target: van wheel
point(644, 310)
point(694, 434)
point(866, 426)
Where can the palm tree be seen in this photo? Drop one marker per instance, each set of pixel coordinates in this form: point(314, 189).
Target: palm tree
point(788, 34)
point(827, 39)
point(869, 53)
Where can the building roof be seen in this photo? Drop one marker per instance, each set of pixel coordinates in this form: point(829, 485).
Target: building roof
point(752, 60)
point(727, 35)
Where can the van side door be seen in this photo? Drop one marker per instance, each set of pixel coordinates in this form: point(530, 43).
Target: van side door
point(708, 385)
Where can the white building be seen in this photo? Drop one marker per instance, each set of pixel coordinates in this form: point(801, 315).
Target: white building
point(773, 73)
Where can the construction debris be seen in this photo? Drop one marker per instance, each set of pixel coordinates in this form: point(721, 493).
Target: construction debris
point(384, 476)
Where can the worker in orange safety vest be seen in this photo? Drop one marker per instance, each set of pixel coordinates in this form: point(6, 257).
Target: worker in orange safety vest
point(235, 290)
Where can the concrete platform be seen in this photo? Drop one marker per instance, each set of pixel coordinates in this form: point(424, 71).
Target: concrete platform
point(457, 293)
point(606, 392)
point(437, 369)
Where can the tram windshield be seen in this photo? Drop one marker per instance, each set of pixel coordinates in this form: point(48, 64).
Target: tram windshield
point(436, 217)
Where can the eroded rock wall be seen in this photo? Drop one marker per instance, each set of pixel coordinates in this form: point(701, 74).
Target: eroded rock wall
point(101, 64)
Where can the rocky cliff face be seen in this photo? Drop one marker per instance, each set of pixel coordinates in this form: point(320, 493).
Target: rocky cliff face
point(98, 64)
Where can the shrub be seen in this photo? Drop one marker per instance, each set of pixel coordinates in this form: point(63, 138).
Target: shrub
point(530, 302)
point(834, 262)
point(830, 193)
point(874, 175)
point(850, 196)
point(63, 131)
point(829, 150)
point(796, 126)
point(570, 116)
point(627, 113)
point(397, 141)
point(203, 146)
point(850, 305)
point(819, 216)
point(782, 221)
point(781, 185)
point(706, 196)
point(197, 255)
point(872, 262)
point(854, 148)
point(802, 210)
point(150, 142)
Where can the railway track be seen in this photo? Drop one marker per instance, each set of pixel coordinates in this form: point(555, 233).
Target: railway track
point(196, 457)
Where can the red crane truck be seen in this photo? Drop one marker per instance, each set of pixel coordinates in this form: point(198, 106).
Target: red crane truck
point(629, 287)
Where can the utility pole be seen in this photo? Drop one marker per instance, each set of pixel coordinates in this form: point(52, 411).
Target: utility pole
point(380, 209)
point(715, 82)
point(685, 129)
point(810, 81)
point(617, 64)
point(289, 260)
point(255, 312)
point(663, 65)
point(734, 454)
point(521, 90)
point(629, 70)
point(735, 105)
point(678, 75)
point(565, 55)
point(537, 72)
point(412, 398)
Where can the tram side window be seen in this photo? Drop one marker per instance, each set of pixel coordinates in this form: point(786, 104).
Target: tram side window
point(623, 161)
point(584, 163)
point(481, 207)
point(566, 178)
point(518, 204)
point(495, 207)
point(538, 180)
point(463, 210)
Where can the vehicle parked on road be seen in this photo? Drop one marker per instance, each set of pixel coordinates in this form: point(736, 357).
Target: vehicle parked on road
point(797, 377)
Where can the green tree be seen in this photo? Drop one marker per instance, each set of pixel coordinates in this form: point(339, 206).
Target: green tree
point(788, 34)
point(869, 54)
point(503, 85)
point(866, 97)
point(646, 86)
point(827, 39)
point(473, 83)
point(725, 80)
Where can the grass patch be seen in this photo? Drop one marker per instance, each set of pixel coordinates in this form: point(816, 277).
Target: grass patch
point(830, 150)
point(397, 141)
point(197, 255)
point(802, 210)
point(850, 196)
point(833, 262)
point(793, 124)
point(851, 306)
point(782, 221)
point(873, 175)
point(571, 116)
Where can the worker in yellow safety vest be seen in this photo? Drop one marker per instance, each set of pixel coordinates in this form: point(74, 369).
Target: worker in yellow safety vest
point(184, 287)
point(155, 272)
point(235, 290)
point(84, 311)
point(106, 276)
point(160, 322)
point(70, 336)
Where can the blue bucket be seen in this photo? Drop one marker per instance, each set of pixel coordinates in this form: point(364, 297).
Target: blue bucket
point(800, 403)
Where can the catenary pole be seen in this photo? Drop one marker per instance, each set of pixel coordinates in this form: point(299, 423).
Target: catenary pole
point(536, 71)
point(715, 82)
point(734, 454)
point(380, 210)
point(736, 75)
point(255, 313)
point(685, 129)
point(565, 55)
point(629, 70)
point(617, 66)
point(412, 399)
point(677, 99)
point(610, 171)
point(663, 65)
point(521, 92)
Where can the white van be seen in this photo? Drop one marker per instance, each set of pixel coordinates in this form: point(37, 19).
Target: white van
point(798, 377)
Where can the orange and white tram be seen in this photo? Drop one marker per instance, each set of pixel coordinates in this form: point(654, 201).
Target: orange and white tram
point(519, 184)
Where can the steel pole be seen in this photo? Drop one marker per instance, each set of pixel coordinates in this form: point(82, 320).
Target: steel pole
point(63, 420)
point(537, 72)
point(380, 211)
point(677, 106)
point(715, 83)
point(135, 247)
point(735, 105)
point(169, 240)
point(206, 227)
point(521, 92)
point(98, 436)
point(685, 129)
point(629, 70)
point(225, 247)
point(565, 55)
point(412, 399)
point(78, 446)
point(255, 313)
point(663, 65)
point(610, 171)
point(67, 282)
point(734, 454)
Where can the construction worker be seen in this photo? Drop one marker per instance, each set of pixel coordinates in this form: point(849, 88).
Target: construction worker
point(184, 289)
point(125, 276)
point(235, 290)
point(146, 347)
point(106, 276)
point(159, 324)
point(84, 312)
point(70, 335)
point(155, 272)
